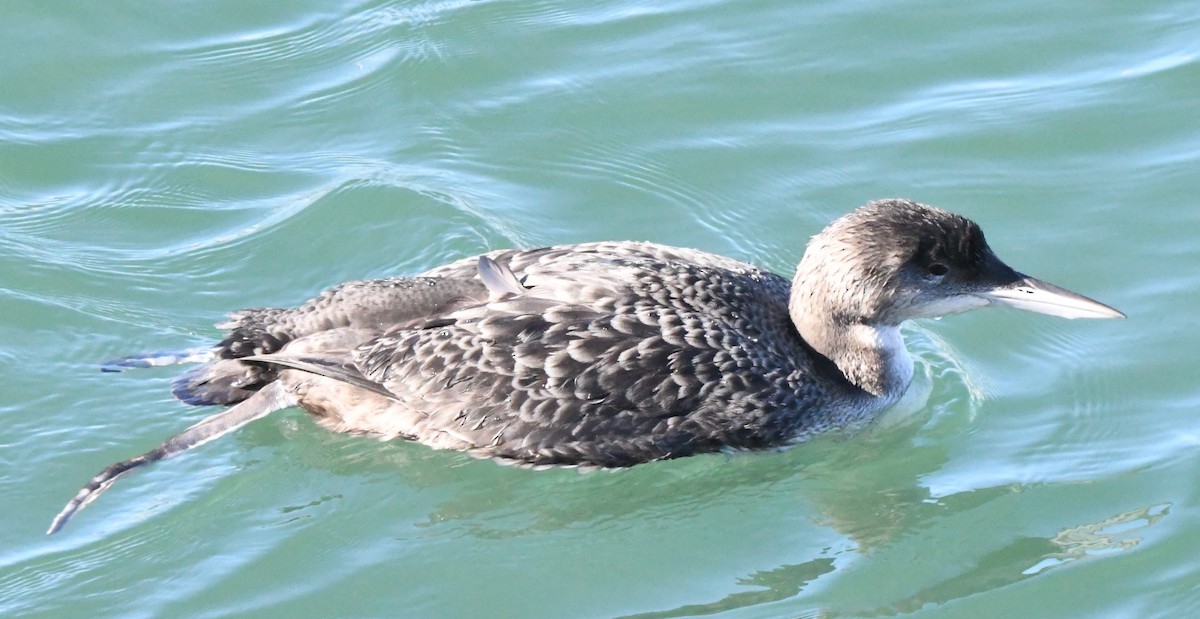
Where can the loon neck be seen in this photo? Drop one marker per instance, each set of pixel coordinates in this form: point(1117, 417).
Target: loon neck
point(872, 358)
point(869, 353)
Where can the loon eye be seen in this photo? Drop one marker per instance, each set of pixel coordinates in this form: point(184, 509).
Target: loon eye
point(938, 269)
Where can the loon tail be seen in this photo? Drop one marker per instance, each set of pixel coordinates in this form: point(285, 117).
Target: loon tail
point(264, 402)
point(218, 381)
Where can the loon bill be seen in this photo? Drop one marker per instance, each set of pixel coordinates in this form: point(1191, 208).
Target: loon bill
point(606, 354)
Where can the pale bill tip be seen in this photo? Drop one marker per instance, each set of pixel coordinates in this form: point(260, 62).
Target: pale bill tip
point(1034, 295)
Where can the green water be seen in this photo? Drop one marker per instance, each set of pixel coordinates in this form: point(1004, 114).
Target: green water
point(164, 163)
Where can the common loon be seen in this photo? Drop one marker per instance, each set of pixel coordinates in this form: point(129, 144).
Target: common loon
point(608, 354)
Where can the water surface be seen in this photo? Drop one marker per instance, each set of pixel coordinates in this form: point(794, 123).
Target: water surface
point(162, 165)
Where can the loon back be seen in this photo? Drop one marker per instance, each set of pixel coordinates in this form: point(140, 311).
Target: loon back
point(600, 354)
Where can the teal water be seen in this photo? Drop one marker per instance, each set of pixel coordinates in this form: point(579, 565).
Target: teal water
point(162, 164)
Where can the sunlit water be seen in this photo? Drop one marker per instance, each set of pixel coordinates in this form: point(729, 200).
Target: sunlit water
point(161, 165)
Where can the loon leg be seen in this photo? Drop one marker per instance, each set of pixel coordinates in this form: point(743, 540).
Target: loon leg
point(264, 402)
point(153, 359)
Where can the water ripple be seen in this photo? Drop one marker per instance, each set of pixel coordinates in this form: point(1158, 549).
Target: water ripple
point(160, 168)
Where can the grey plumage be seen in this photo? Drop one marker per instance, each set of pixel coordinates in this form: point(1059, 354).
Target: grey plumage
point(608, 354)
point(613, 354)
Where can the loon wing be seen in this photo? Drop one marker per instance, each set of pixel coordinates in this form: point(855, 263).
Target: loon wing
point(499, 280)
point(330, 366)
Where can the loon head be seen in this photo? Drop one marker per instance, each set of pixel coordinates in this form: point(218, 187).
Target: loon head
point(894, 260)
